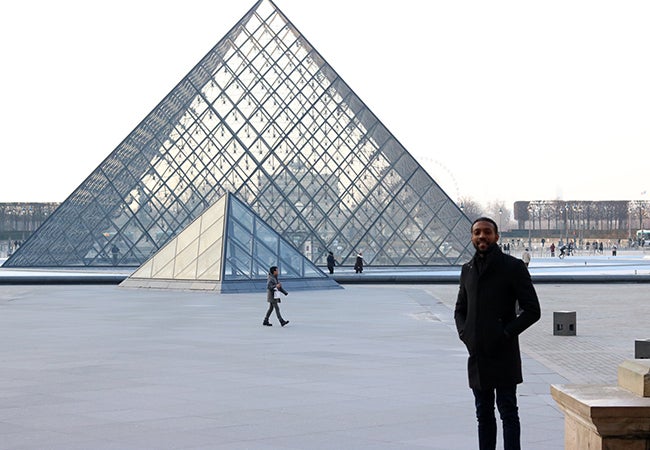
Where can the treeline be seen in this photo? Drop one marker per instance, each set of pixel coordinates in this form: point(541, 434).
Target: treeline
point(582, 214)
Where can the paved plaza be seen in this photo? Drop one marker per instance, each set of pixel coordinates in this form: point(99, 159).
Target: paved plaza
point(365, 367)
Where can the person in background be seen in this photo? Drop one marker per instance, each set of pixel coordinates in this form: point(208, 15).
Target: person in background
point(525, 257)
point(358, 264)
point(331, 262)
point(115, 252)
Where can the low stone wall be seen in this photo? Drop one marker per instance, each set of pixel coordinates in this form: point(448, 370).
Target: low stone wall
point(601, 417)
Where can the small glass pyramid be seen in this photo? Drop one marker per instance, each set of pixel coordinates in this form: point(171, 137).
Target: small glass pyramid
point(228, 248)
point(264, 116)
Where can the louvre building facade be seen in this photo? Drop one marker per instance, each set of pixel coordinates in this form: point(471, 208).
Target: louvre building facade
point(262, 116)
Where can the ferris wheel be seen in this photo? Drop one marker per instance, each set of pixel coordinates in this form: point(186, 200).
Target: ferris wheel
point(441, 175)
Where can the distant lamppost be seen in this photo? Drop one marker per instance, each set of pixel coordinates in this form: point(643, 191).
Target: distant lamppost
point(500, 213)
point(640, 216)
point(577, 213)
point(629, 222)
point(566, 224)
point(532, 209)
point(642, 207)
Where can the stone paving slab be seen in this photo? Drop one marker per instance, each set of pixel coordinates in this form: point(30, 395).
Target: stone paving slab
point(365, 367)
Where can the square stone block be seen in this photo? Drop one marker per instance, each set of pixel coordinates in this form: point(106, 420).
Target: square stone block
point(564, 323)
point(642, 349)
point(634, 375)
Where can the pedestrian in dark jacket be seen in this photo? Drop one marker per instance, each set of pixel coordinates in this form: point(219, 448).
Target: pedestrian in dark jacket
point(331, 262)
point(358, 263)
point(491, 285)
point(273, 289)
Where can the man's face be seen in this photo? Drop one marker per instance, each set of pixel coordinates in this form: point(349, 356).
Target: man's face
point(483, 235)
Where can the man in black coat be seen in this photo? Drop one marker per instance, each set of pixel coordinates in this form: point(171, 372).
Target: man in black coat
point(492, 284)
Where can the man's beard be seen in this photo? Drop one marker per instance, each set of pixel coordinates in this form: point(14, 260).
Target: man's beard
point(487, 250)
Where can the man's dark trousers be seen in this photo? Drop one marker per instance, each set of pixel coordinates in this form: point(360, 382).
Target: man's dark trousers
point(506, 400)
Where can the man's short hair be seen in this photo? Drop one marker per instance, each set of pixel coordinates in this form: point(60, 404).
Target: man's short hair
point(272, 269)
point(486, 219)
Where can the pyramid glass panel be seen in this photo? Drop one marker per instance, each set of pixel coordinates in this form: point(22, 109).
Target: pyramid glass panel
point(264, 116)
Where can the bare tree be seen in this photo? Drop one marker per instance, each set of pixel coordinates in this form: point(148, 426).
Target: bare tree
point(639, 211)
point(472, 209)
point(549, 212)
point(500, 213)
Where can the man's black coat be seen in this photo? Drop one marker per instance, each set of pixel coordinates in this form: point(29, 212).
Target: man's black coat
point(486, 317)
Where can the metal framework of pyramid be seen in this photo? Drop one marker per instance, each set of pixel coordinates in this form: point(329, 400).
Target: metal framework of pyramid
point(264, 116)
point(228, 248)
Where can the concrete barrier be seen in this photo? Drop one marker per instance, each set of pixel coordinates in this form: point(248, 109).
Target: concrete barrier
point(642, 349)
point(564, 323)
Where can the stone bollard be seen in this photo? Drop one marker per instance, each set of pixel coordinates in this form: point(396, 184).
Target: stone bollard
point(564, 323)
point(642, 349)
point(598, 417)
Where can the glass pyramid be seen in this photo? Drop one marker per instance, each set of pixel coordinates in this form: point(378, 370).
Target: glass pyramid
point(264, 116)
point(230, 249)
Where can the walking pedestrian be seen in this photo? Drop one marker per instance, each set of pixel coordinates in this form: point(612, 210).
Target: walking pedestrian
point(273, 289)
point(491, 285)
point(331, 262)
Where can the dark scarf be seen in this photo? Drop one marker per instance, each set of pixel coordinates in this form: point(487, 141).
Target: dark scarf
point(482, 260)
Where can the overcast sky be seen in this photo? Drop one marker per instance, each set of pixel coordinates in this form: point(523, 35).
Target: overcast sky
point(499, 100)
